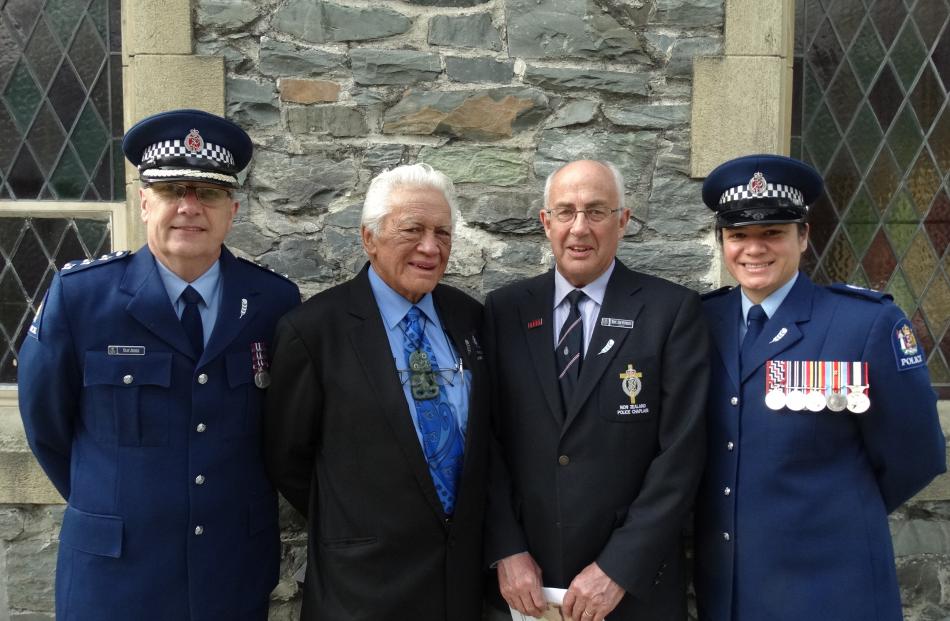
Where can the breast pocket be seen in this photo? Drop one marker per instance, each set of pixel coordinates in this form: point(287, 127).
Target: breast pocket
point(629, 391)
point(126, 398)
point(243, 403)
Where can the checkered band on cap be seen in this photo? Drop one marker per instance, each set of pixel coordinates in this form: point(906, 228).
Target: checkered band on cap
point(177, 148)
point(772, 190)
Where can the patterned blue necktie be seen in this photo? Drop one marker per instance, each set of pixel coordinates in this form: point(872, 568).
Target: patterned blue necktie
point(441, 439)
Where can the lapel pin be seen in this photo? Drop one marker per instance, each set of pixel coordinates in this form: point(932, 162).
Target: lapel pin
point(534, 323)
point(243, 307)
point(607, 346)
point(778, 337)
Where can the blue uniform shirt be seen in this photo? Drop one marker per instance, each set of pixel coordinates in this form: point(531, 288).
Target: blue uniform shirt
point(393, 308)
point(770, 304)
point(208, 285)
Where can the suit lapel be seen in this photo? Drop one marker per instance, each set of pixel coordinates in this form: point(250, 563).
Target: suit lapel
point(537, 304)
point(149, 303)
point(781, 331)
point(724, 315)
point(236, 310)
point(371, 344)
point(620, 302)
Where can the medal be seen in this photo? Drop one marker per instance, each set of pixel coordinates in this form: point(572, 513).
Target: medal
point(858, 401)
point(814, 399)
point(837, 402)
point(775, 384)
point(795, 399)
point(260, 365)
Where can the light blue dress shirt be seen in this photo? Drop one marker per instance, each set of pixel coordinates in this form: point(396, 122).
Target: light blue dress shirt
point(209, 285)
point(770, 305)
point(589, 307)
point(393, 308)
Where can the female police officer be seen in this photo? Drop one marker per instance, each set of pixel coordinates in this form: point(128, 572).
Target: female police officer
point(822, 419)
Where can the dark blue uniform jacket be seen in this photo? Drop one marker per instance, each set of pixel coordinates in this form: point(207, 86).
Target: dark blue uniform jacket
point(170, 515)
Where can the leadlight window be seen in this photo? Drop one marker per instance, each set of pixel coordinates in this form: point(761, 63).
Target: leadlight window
point(871, 112)
point(62, 183)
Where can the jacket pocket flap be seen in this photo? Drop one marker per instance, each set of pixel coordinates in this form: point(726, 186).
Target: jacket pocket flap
point(92, 533)
point(240, 368)
point(151, 369)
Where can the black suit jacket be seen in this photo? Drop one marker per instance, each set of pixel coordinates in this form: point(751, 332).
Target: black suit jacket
point(341, 447)
point(602, 479)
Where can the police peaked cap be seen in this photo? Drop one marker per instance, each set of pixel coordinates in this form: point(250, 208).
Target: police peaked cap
point(761, 189)
point(188, 145)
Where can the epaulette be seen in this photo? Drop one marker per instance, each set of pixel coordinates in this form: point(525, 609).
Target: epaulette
point(265, 269)
point(77, 266)
point(859, 292)
point(715, 293)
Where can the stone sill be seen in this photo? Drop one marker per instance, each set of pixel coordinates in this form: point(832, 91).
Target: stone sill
point(23, 482)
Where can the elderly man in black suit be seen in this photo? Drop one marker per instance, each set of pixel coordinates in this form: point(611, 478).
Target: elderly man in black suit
point(377, 420)
point(600, 377)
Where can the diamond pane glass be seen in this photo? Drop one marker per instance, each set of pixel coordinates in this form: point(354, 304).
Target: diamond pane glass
point(839, 260)
point(908, 54)
point(901, 223)
point(937, 223)
point(842, 180)
point(822, 138)
point(923, 182)
point(927, 97)
point(884, 179)
point(941, 58)
point(862, 221)
point(919, 263)
point(844, 95)
point(61, 108)
point(930, 16)
point(888, 17)
point(30, 249)
point(879, 263)
point(886, 96)
point(905, 137)
point(939, 141)
point(903, 296)
point(825, 53)
point(866, 54)
point(936, 305)
point(864, 137)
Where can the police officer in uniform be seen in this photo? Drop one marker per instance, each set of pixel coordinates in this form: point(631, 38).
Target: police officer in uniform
point(822, 419)
point(141, 385)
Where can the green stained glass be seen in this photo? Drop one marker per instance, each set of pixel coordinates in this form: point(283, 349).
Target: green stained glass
point(92, 232)
point(927, 97)
point(68, 180)
point(844, 95)
point(63, 15)
point(839, 262)
point(879, 262)
point(901, 223)
point(908, 54)
point(864, 136)
point(99, 13)
point(939, 374)
point(860, 279)
point(861, 221)
point(22, 96)
point(919, 263)
point(884, 179)
point(89, 138)
point(812, 91)
point(866, 54)
point(939, 140)
point(822, 137)
point(905, 137)
point(903, 295)
point(923, 182)
point(842, 180)
point(936, 304)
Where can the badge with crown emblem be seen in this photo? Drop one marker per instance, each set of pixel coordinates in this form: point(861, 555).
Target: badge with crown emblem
point(194, 142)
point(757, 184)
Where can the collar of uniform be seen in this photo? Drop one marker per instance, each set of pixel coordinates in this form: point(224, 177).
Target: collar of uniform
point(595, 290)
point(393, 306)
point(206, 284)
point(771, 303)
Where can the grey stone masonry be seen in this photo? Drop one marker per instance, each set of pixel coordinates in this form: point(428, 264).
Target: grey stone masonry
point(474, 31)
point(321, 22)
point(376, 67)
point(482, 69)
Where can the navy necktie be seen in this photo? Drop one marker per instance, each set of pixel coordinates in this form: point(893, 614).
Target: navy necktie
point(569, 352)
point(755, 321)
point(191, 319)
point(442, 441)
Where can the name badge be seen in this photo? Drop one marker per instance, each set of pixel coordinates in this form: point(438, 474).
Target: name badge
point(126, 350)
point(611, 322)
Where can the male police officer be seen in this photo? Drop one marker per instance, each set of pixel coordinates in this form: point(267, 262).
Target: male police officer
point(600, 384)
point(141, 390)
point(821, 422)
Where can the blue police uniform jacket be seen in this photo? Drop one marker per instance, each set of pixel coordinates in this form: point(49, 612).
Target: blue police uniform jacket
point(169, 514)
point(791, 520)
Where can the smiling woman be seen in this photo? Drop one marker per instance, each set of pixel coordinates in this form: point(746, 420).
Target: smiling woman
point(764, 257)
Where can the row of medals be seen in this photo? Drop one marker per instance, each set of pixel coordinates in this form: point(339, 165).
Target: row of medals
point(815, 385)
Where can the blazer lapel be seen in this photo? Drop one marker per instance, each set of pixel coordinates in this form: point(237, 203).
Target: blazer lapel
point(724, 315)
point(236, 310)
point(371, 344)
point(538, 305)
point(149, 303)
point(781, 331)
point(620, 302)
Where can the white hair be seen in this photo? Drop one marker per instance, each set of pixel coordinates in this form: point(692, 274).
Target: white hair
point(614, 172)
point(376, 205)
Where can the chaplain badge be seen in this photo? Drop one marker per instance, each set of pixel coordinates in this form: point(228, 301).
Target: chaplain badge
point(631, 385)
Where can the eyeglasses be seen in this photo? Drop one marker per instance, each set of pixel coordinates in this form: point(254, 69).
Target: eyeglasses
point(569, 214)
point(175, 192)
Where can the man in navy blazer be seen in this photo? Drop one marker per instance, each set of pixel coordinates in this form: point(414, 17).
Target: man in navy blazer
point(141, 389)
point(822, 419)
point(599, 378)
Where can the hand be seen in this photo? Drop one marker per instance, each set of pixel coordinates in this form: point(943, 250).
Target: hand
point(591, 596)
point(519, 580)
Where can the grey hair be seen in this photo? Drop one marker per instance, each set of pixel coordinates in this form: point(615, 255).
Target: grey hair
point(614, 172)
point(376, 205)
